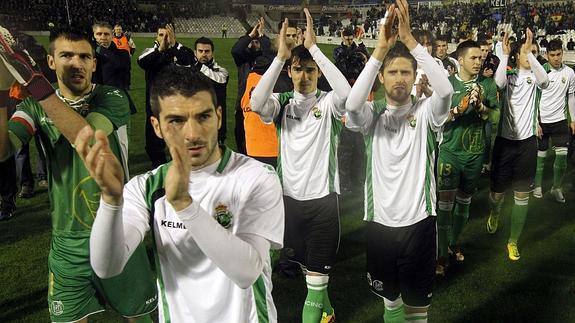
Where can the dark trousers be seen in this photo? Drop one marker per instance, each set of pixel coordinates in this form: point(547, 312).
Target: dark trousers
point(8, 187)
point(155, 147)
point(23, 167)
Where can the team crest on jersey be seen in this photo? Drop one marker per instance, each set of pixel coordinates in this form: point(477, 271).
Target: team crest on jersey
point(57, 308)
point(529, 80)
point(412, 120)
point(223, 216)
point(563, 79)
point(116, 93)
point(316, 112)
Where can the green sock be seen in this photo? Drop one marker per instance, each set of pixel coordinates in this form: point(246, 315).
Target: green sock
point(540, 167)
point(559, 166)
point(326, 303)
point(146, 318)
point(313, 305)
point(495, 205)
point(460, 216)
point(443, 226)
point(395, 315)
point(518, 216)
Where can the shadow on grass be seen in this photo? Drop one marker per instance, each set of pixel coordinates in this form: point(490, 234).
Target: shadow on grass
point(28, 221)
point(22, 306)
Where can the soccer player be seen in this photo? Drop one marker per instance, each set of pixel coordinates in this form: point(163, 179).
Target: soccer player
point(213, 214)
point(308, 122)
point(556, 101)
point(450, 64)
point(461, 149)
point(59, 114)
point(400, 134)
point(515, 150)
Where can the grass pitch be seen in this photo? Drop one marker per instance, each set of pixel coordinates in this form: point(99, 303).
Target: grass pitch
point(487, 287)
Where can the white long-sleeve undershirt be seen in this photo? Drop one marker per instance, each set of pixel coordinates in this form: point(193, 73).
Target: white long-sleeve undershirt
point(240, 257)
point(541, 77)
point(441, 97)
point(267, 107)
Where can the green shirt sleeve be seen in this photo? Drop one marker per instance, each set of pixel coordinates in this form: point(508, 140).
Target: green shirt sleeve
point(111, 103)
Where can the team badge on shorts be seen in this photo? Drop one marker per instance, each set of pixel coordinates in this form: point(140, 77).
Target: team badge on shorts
point(223, 216)
point(377, 285)
point(316, 112)
point(57, 308)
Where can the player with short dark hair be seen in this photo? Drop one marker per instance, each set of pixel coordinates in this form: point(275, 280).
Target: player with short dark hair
point(515, 150)
point(59, 114)
point(461, 147)
point(556, 101)
point(213, 214)
point(308, 122)
point(400, 133)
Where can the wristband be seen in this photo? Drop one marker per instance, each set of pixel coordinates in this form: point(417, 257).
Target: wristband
point(39, 87)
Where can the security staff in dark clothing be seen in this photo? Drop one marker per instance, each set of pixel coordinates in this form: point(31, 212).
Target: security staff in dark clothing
point(166, 51)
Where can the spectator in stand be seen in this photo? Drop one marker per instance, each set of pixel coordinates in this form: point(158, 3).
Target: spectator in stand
point(570, 44)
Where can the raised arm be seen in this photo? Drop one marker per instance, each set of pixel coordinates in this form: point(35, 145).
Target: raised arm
point(261, 101)
point(541, 77)
point(442, 89)
point(26, 72)
point(355, 106)
point(501, 72)
point(333, 75)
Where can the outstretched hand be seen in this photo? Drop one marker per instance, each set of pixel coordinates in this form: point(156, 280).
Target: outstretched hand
point(386, 37)
point(283, 51)
point(178, 175)
point(505, 44)
point(526, 47)
point(309, 37)
point(101, 163)
point(405, 35)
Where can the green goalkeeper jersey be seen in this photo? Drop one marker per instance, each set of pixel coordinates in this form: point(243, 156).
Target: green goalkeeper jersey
point(74, 195)
point(466, 135)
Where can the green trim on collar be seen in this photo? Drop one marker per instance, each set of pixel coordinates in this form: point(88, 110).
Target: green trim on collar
point(227, 153)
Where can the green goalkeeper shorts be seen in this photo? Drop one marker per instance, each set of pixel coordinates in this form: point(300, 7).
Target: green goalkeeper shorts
point(75, 292)
point(458, 172)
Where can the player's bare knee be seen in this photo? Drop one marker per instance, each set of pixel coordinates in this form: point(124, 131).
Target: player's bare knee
point(393, 304)
point(415, 309)
point(447, 196)
point(521, 195)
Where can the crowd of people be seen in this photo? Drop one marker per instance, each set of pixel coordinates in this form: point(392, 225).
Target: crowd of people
point(302, 121)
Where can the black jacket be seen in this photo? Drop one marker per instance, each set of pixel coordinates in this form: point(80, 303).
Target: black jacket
point(112, 67)
point(152, 61)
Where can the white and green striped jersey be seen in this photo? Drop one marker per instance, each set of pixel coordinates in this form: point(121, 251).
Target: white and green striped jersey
point(518, 119)
point(244, 196)
point(553, 107)
point(308, 127)
point(400, 147)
